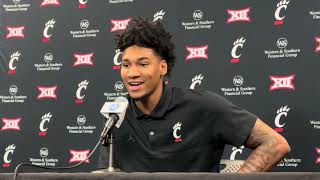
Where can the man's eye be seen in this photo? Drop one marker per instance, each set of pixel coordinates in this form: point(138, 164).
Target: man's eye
point(124, 65)
point(143, 64)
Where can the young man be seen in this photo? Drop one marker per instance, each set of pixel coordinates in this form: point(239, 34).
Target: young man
point(172, 129)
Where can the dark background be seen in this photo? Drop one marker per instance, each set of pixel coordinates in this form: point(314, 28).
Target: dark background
point(299, 28)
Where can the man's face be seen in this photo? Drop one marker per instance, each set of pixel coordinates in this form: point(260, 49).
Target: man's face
point(142, 71)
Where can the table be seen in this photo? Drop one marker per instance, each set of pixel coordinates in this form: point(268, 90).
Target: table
point(164, 176)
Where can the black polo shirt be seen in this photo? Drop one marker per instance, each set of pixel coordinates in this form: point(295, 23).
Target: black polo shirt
point(186, 132)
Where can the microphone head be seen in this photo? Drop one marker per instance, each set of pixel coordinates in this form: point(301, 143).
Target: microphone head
point(118, 107)
point(121, 99)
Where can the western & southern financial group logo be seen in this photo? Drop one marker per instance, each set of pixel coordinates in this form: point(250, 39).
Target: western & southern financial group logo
point(15, 6)
point(239, 89)
point(13, 97)
point(84, 32)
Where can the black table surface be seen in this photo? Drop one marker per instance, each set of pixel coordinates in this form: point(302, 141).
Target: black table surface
point(164, 175)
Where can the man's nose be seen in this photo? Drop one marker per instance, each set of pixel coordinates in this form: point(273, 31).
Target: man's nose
point(134, 72)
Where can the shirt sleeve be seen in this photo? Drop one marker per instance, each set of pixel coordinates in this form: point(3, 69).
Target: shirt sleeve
point(231, 124)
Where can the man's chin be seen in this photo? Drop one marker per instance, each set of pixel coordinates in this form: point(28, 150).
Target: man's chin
point(136, 97)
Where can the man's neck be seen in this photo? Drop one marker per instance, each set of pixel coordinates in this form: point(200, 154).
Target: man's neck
point(148, 104)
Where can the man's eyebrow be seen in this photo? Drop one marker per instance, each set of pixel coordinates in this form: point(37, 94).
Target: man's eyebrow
point(137, 60)
point(142, 58)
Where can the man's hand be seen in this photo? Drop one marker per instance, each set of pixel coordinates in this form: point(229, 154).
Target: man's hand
point(269, 148)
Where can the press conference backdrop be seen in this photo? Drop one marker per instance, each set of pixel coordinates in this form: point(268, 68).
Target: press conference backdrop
point(58, 65)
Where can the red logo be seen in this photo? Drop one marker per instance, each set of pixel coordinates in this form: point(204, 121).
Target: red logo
point(196, 52)
point(81, 86)
point(176, 132)
point(83, 59)
point(14, 57)
point(42, 126)
point(279, 19)
point(118, 25)
point(6, 157)
point(78, 156)
point(236, 45)
point(318, 152)
point(11, 124)
point(241, 15)
point(282, 82)
point(46, 3)
point(47, 92)
point(46, 31)
point(283, 111)
point(317, 50)
point(117, 60)
point(82, 4)
point(15, 32)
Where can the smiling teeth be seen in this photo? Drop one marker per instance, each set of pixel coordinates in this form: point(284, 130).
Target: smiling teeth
point(135, 84)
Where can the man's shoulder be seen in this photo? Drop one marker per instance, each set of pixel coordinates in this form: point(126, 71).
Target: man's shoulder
point(192, 92)
point(198, 95)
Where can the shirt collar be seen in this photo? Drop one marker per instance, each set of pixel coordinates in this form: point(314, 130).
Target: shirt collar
point(160, 109)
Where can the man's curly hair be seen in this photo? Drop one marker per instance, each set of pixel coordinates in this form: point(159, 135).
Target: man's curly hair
point(147, 34)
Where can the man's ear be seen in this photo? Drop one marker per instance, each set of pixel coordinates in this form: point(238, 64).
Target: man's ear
point(164, 67)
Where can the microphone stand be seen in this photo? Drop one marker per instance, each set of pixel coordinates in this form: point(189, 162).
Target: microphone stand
point(110, 164)
point(107, 134)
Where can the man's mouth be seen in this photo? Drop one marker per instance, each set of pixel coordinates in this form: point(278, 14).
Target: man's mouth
point(134, 86)
point(135, 83)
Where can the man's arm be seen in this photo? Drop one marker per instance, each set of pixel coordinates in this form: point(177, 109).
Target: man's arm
point(269, 148)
